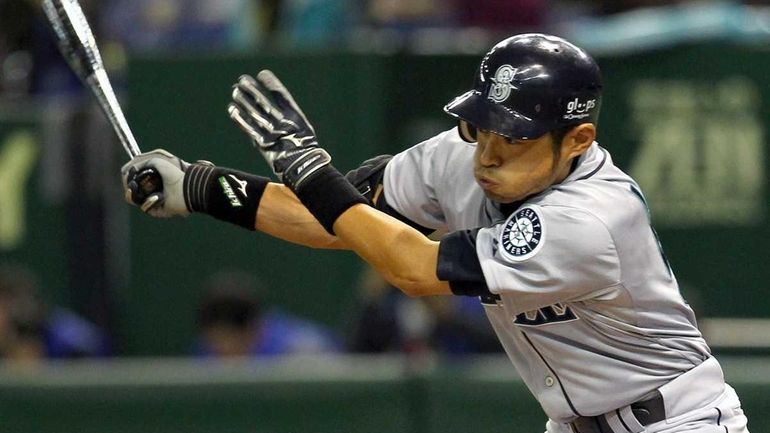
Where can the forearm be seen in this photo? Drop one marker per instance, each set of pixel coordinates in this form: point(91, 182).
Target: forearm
point(401, 254)
point(282, 215)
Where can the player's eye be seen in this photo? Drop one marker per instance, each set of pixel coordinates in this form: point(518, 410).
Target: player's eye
point(515, 141)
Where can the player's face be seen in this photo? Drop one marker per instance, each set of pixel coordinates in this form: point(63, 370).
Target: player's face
point(510, 170)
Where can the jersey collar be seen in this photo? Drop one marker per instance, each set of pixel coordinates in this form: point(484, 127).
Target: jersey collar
point(588, 164)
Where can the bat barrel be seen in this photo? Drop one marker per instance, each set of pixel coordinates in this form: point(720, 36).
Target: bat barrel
point(78, 46)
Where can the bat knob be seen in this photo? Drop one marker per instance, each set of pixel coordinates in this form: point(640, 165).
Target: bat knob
point(146, 188)
point(149, 181)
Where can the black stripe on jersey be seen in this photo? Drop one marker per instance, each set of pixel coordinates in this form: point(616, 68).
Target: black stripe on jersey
point(594, 349)
point(459, 264)
point(596, 170)
point(719, 419)
point(558, 380)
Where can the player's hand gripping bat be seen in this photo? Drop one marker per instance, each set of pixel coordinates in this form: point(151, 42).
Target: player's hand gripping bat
point(78, 46)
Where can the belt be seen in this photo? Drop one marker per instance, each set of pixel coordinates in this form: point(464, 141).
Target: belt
point(646, 412)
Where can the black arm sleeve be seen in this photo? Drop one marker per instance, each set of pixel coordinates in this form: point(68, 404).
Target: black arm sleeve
point(459, 264)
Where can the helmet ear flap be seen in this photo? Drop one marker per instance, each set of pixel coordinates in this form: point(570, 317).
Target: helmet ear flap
point(467, 131)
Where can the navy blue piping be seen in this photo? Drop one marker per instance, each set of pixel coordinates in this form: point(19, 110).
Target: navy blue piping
point(569, 402)
point(719, 419)
point(601, 164)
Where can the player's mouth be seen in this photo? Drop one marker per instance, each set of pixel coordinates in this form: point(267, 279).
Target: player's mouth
point(485, 182)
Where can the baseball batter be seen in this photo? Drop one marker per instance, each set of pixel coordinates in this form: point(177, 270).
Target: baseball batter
point(541, 226)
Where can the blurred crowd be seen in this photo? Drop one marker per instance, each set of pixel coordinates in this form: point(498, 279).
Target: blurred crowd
point(32, 330)
point(30, 64)
point(232, 319)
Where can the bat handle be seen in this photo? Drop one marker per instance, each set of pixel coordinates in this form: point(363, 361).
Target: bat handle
point(149, 182)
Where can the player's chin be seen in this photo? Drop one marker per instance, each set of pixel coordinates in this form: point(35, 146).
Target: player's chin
point(497, 197)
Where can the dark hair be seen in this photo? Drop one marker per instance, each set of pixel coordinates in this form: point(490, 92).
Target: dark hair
point(230, 298)
point(559, 134)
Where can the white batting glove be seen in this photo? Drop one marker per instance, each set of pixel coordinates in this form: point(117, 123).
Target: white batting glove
point(167, 202)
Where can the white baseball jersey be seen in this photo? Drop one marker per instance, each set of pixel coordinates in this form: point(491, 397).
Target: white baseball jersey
point(574, 281)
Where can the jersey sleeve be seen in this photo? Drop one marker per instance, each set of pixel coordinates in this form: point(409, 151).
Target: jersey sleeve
point(544, 255)
point(410, 183)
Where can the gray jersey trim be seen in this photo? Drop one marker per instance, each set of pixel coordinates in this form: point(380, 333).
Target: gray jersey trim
point(620, 418)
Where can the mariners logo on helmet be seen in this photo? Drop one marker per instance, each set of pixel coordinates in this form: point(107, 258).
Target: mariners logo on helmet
point(500, 90)
point(522, 235)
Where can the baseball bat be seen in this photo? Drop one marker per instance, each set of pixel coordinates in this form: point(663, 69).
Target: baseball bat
point(77, 44)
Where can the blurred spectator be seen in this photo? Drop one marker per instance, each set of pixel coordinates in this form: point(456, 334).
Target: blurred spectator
point(31, 331)
point(408, 15)
point(233, 321)
point(607, 7)
point(509, 16)
point(315, 23)
point(29, 59)
point(388, 321)
point(492, 15)
point(16, 21)
point(169, 25)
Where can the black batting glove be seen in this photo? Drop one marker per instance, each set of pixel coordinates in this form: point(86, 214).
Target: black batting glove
point(267, 112)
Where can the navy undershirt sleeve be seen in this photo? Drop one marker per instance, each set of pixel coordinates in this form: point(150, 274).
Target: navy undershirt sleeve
point(459, 264)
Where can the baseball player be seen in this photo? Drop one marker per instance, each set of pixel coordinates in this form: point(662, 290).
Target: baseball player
point(541, 226)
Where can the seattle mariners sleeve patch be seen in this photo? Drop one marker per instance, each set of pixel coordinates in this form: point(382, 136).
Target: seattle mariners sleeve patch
point(523, 234)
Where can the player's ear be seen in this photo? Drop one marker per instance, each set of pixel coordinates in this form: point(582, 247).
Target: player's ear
point(578, 140)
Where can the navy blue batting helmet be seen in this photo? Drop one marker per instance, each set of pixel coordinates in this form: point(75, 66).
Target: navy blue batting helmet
point(529, 85)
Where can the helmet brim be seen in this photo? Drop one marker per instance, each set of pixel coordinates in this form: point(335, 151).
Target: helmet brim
point(484, 114)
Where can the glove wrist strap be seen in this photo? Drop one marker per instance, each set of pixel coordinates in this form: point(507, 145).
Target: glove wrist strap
point(327, 195)
point(303, 168)
point(226, 194)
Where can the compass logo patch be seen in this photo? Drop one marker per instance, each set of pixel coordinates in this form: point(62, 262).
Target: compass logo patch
point(522, 235)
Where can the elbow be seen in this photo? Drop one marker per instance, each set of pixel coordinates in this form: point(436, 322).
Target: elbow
point(411, 289)
point(325, 243)
point(416, 287)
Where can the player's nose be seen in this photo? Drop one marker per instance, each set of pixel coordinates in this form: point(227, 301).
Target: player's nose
point(486, 153)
